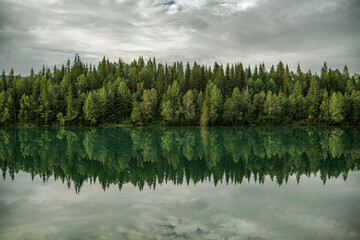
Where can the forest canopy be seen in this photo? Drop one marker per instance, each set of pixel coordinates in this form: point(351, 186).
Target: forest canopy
point(179, 94)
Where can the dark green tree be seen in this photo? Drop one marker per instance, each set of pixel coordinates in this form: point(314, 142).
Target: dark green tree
point(3, 86)
point(91, 108)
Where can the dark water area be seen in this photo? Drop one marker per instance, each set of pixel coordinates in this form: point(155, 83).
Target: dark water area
point(180, 183)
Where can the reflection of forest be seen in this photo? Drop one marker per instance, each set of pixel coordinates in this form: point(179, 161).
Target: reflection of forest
point(147, 156)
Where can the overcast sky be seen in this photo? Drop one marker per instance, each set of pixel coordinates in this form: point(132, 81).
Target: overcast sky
point(37, 32)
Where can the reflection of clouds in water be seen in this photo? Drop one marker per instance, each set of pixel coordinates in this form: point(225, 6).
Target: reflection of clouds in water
point(173, 227)
point(215, 227)
point(249, 211)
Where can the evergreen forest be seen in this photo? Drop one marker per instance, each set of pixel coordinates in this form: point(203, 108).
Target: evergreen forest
point(150, 93)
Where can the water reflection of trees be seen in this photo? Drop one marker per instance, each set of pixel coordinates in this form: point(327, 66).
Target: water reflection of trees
point(150, 156)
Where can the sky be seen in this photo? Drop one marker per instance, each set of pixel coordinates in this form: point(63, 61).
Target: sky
point(309, 32)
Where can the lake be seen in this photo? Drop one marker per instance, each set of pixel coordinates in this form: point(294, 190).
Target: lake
point(180, 183)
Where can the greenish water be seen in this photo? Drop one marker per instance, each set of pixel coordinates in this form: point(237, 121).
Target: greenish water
point(180, 183)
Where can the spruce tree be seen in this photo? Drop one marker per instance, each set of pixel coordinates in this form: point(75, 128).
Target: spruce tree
point(313, 97)
point(280, 72)
point(324, 108)
point(287, 82)
point(71, 113)
point(336, 107)
point(3, 86)
point(124, 101)
point(189, 106)
point(11, 79)
point(91, 109)
point(324, 78)
point(187, 75)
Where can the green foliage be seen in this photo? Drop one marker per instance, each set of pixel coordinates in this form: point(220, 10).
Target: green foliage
point(71, 111)
point(26, 111)
point(6, 108)
point(355, 100)
point(104, 103)
point(61, 118)
point(216, 101)
point(171, 109)
point(145, 110)
point(247, 106)
point(336, 107)
point(314, 99)
point(151, 156)
point(3, 86)
point(325, 108)
point(212, 105)
point(91, 108)
point(45, 109)
point(189, 106)
point(272, 107)
point(233, 107)
point(124, 100)
point(258, 105)
point(146, 76)
point(148, 92)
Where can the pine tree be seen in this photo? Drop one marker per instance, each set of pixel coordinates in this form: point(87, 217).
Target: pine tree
point(133, 78)
point(336, 107)
point(120, 69)
point(149, 105)
point(189, 106)
point(324, 78)
point(324, 107)
point(272, 107)
point(91, 108)
point(104, 104)
point(124, 101)
point(3, 86)
point(219, 79)
point(246, 106)
point(355, 112)
point(171, 104)
point(94, 82)
point(215, 107)
point(287, 83)
point(280, 72)
point(195, 77)
point(187, 75)
point(240, 77)
point(3, 99)
point(11, 79)
point(180, 79)
point(299, 76)
point(228, 82)
point(258, 104)
point(9, 110)
point(232, 107)
point(25, 113)
point(255, 74)
point(45, 105)
point(71, 113)
point(262, 73)
point(205, 114)
point(314, 98)
point(160, 83)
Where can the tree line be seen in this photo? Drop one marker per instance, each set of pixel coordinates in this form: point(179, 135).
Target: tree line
point(153, 93)
point(184, 155)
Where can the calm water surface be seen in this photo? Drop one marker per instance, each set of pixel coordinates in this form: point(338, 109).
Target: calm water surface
point(180, 183)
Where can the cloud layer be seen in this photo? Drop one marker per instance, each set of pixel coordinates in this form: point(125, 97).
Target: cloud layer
point(37, 32)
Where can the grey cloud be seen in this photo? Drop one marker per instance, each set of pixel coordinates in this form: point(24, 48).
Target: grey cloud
point(309, 32)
